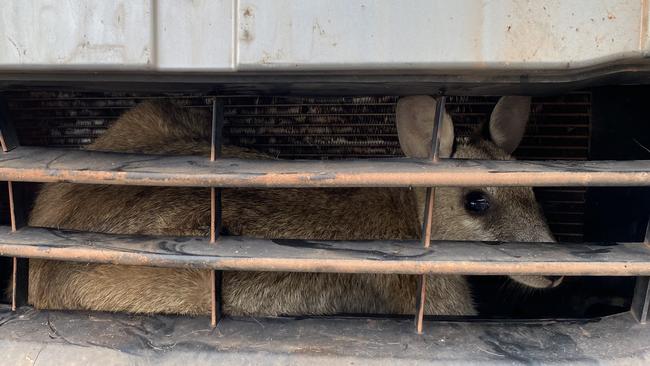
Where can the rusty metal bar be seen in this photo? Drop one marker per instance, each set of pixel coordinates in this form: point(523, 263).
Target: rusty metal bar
point(437, 128)
point(389, 257)
point(215, 197)
point(16, 205)
point(215, 153)
point(215, 211)
point(426, 241)
point(428, 216)
point(19, 282)
point(216, 308)
point(20, 266)
point(420, 303)
point(34, 164)
point(215, 276)
point(641, 300)
point(434, 155)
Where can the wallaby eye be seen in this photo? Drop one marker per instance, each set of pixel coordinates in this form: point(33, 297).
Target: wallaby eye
point(477, 202)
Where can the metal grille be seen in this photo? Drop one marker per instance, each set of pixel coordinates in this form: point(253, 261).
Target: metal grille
point(323, 128)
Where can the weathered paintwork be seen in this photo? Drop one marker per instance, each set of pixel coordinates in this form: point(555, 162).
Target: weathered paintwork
point(290, 35)
point(38, 164)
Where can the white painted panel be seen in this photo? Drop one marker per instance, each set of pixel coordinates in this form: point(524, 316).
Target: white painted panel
point(288, 35)
point(195, 34)
point(75, 34)
point(436, 35)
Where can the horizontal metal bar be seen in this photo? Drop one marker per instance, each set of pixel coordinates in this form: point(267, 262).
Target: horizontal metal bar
point(38, 164)
point(407, 257)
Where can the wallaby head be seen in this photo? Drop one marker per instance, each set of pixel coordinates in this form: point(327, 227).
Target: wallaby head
point(477, 213)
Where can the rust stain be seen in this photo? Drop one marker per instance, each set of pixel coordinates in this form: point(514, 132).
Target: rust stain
point(14, 287)
point(447, 177)
point(26, 164)
point(246, 36)
point(531, 34)
point(317, 28)
point(247, 25)
point(120, 14)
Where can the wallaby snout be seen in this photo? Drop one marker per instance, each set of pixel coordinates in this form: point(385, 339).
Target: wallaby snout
point(539, 282)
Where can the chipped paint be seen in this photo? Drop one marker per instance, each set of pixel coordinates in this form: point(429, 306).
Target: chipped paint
point(438, 35)
point(52, 33)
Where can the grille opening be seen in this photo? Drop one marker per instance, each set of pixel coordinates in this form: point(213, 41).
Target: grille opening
point(364, 127)
point(324, 128)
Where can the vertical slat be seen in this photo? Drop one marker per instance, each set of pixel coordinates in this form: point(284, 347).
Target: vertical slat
point(8, 136)
point(437, 129)
point(434, 155)
point(215, 153)
point(641, 300)
point(20, 270)
point(213, 215)
point(428, 216)
point(216, 307)
point(19, 278)
point(17, 205)
point(215, 210)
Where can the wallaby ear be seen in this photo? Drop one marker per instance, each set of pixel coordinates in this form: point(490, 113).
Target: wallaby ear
point(415, 117)
point(508, 122)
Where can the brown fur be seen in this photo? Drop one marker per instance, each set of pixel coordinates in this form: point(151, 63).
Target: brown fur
point(270, 213)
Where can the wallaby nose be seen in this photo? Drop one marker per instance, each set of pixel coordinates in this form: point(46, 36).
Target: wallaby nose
point(555, 280)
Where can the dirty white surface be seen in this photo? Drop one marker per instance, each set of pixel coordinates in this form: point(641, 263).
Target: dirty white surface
point(294, 35)
point(71, 34)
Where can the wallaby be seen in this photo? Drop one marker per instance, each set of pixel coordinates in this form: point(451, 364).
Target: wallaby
point(351, 213)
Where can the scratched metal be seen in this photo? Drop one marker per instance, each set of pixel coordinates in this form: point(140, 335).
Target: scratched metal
point(37, 164)
point(407, 257)
point(507, 37)
point(79, 338)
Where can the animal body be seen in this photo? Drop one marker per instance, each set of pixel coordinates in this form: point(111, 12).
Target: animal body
point(349, 213)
